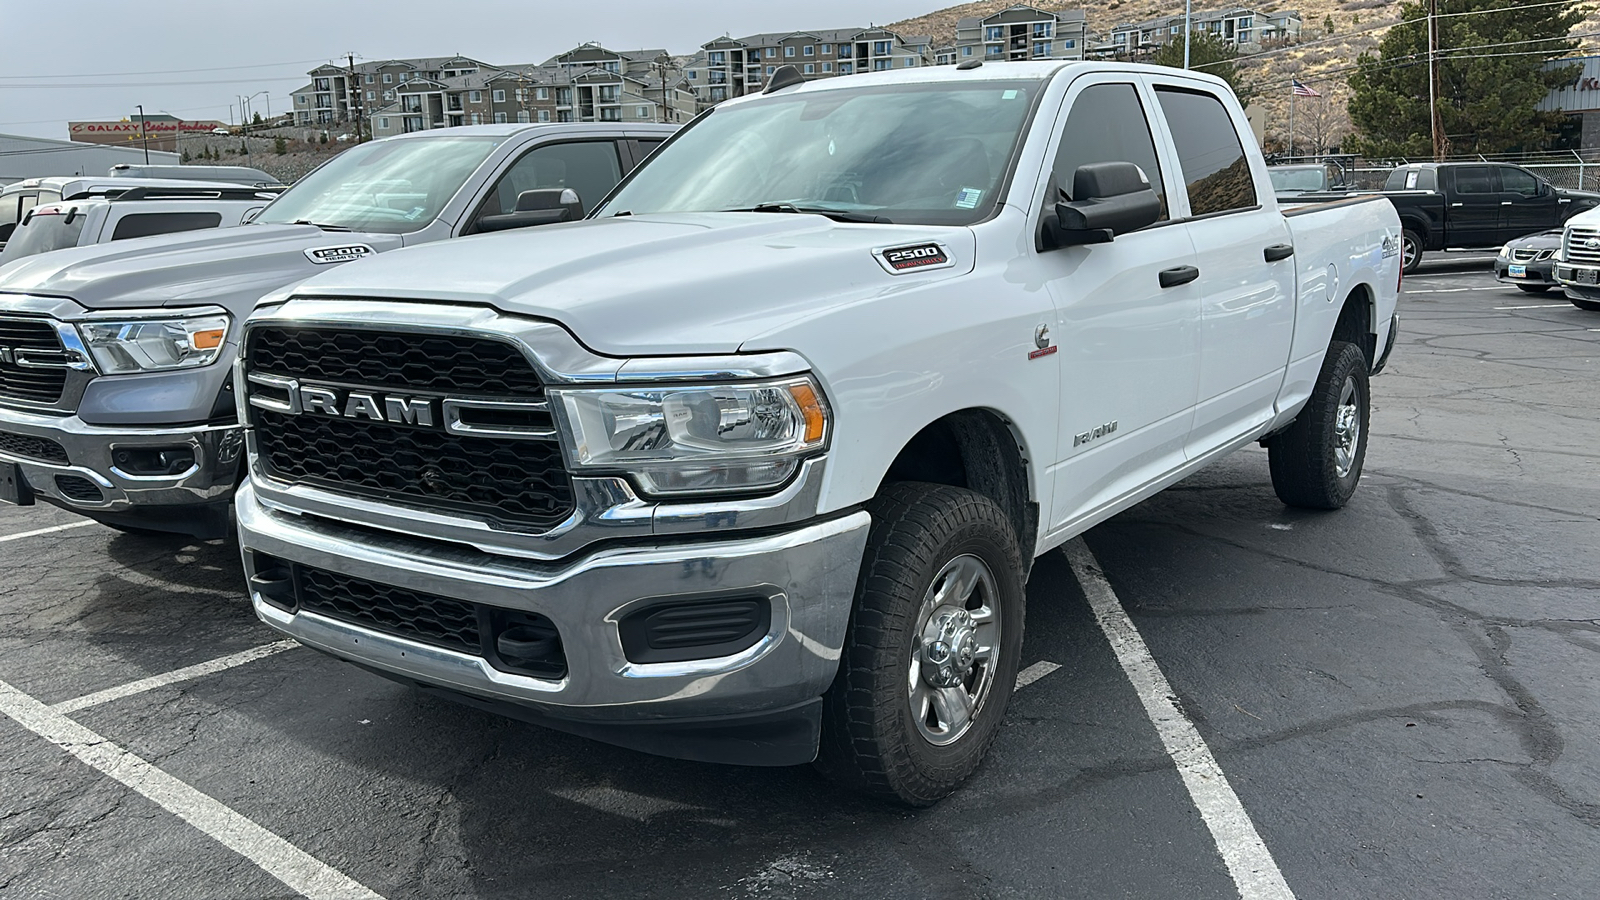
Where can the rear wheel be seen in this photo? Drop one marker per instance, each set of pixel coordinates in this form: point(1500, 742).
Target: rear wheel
point(1316, 463)
point(1410, 250)
point(930, 659)
point(1533, 288)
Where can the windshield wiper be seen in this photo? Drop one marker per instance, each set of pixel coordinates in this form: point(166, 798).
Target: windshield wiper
point(320, 225)
point(838, 215)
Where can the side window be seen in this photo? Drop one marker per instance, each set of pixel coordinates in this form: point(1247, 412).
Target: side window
point(1519, 181)
point(140, 225)
point(1215, 169)
point(1475, 180)
point(591, 168)
point(1107, 124)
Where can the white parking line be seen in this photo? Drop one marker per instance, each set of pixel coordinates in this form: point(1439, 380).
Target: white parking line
point(297, 869)
point(1254, 871)
point(1035, 672)
point(1442, 290)
point(1540, 306)
point(28, 534)
point(157, 681)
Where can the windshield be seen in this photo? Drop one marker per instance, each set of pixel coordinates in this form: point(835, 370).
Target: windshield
point(913, 153)
point(390, 187)
point(48, 229)
point(1286, 181)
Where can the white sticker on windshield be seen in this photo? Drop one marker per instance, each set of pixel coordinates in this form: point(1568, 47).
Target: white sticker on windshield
point(967, 198)
point(1009, 95)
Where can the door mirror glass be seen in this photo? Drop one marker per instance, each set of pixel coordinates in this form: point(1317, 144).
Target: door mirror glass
point(542, 206)
point(1112, 198)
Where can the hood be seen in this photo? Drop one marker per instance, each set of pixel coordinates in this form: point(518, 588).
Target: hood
point(658, 284)
point(1544, 240)
point(1573, 194)
point(185, 269)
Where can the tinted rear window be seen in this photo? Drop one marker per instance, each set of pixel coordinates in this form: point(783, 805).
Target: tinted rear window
point(47, 230)
point(1211, 158)
point(146, 224)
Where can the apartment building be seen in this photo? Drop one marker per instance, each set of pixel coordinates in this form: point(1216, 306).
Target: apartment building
point(1247, 29)
point(341, 94)
point(729, 67)
point(1018, 33)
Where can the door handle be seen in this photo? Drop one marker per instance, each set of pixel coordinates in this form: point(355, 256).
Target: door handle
point(1455, 204)
point(1278, 251)
point(1506, 202)
point(1178, 275)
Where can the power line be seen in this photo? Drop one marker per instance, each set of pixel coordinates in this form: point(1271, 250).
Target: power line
point(297, 62)
point(129, 84)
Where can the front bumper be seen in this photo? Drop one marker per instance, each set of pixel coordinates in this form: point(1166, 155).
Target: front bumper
point(1540, 272)
point(807, 573)
point(59, 453)
point(1579, 280)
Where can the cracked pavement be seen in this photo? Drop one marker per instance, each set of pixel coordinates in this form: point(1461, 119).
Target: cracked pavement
point(1401, 693)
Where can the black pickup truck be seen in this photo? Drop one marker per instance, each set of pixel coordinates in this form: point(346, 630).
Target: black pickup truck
point(1470, 205)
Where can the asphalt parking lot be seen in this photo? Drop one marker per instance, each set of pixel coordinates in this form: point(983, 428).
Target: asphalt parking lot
point(1402, 696)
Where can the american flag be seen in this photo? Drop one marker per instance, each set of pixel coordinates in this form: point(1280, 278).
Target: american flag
point(1301, 90)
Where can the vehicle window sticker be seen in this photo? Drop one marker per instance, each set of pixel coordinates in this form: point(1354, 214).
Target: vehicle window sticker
point(1411, 180)
point(967, 198)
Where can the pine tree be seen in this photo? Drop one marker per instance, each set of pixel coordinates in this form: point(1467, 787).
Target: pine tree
point(1208, 53)
point(1488, 94)
point(279, 145)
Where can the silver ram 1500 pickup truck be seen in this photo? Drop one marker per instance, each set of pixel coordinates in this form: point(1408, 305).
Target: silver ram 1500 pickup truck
point(752, 465)
point(115, 396)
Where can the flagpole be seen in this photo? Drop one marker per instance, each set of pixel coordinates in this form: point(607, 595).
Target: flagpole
point(1291, 120)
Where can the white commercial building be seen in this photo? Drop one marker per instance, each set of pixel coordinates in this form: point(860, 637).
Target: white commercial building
point(30, 157)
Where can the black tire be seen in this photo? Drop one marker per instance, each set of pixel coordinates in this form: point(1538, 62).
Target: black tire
point(1533, 288)
point(1410, 250)
point(1588, 305)
point(872, 740)
point(1306, 459)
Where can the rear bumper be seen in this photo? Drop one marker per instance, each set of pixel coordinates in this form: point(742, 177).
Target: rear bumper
point(76, 465)
point(754, 706)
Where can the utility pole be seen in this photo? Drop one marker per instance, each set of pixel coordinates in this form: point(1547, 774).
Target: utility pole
point(1441, 142)
point(1188, 29)
point(355, 97)
point(144, 134)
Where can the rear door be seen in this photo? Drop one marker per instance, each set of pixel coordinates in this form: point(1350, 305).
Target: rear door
point(1246, 259)
point(1527, 204)
point(1128, 347)
point(1473, 196)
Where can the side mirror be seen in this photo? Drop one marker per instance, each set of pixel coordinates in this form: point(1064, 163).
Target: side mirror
point(545, 206)
point(1112, 198)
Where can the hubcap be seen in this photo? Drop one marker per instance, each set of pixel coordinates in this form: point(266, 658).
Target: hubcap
point(957, 648)
point(1346, 429)
point(1408, 250)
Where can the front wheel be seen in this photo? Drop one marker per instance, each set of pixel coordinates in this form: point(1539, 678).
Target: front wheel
point(1410, 251)
point(930, 658)
point(1533, 288)
point(1316, 463)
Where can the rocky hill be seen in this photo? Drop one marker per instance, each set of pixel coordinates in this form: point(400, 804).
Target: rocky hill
point(1323, 59)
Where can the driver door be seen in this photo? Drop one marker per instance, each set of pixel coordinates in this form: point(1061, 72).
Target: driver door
point(1129, 347)
point(592, 168)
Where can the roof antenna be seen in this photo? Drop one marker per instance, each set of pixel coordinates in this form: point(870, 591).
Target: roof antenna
point(786, 76)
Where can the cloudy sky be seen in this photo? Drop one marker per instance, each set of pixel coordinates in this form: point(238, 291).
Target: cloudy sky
point(94, 59)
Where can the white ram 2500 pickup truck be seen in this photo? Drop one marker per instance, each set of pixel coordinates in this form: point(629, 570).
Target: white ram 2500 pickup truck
point(115, 360)
point(751, 465)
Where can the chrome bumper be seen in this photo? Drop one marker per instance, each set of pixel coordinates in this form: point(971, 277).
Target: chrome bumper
point(90, 451)
point(1566, 275)
point(807, 573)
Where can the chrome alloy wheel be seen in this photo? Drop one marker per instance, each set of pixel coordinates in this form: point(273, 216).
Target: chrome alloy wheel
point(956, 650)
point(1408, 253)
point(1346, 428)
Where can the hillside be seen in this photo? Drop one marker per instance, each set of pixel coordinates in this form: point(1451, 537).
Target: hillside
point(1321, 60)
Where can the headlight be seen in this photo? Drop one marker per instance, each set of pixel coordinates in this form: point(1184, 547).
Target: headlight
point(1506, 251)
point(693, 440)
point(155, 345)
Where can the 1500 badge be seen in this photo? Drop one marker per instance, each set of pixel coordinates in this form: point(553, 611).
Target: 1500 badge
point(911, 257)
point(327, 256)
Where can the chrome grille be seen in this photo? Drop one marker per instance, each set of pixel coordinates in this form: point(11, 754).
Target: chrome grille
point(1575, 239)
point(26, 383)
point(1530, 254)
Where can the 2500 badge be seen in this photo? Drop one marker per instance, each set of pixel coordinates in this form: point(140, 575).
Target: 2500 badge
point(914, 256)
